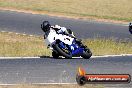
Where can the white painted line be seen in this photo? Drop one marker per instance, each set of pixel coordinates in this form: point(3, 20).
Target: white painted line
point(37, 84)
point(30, 35)
point(73, 57)
point(3, 31)
point(111, 55)
point(17, 33)
point(10, 32)
point(17, 57)
point(126, 25)
point(7, 84)
point(53, 83)
point(24, 34)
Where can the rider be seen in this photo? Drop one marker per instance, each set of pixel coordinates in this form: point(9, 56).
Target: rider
point(45, 26)
point(130, 27)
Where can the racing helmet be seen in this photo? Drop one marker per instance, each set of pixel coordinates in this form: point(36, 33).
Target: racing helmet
point(45, 26)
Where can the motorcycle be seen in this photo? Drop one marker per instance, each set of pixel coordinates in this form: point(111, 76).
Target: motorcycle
point(66, 46)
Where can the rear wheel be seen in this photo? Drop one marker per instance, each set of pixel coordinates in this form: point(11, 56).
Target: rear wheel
point(55, 54)
point(87, 53)
point(63, 51)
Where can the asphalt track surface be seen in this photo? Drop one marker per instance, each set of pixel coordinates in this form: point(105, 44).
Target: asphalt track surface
point(30, 24)
point(50, 70)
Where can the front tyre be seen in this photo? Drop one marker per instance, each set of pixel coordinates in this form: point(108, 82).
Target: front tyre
point(55, 54)
point(64, 52)
point(86, 53)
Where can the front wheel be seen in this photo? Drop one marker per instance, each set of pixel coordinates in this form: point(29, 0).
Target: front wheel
point(63, 51)
point(55, 54)
point(87, 54)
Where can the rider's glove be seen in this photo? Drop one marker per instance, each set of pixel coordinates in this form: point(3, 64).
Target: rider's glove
point(79, 40)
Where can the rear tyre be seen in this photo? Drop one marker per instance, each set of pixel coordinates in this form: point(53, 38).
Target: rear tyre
point(55, 54)
point(87, 53)
point(62, 52)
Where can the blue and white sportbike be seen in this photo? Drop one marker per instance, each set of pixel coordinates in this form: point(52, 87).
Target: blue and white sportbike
point(66, 46)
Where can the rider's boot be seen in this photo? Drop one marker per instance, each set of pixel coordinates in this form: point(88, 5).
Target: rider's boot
point(49, 47)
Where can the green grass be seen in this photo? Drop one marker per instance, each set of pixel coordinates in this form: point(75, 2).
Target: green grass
point(103, 9)
point(12, 44)
point(22, 45)
point(108, 46)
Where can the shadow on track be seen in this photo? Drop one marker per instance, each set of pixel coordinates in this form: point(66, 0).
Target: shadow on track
point(59, 57)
